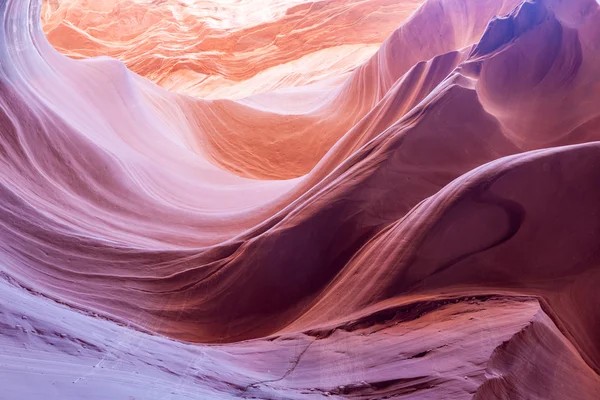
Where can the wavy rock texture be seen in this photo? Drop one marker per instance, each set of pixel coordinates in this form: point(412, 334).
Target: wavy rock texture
point(214, 50)
point(424, 226)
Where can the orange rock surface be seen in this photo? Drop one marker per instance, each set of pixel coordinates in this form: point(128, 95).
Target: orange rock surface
point(226, 49)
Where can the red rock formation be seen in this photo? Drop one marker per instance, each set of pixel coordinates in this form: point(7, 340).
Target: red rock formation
point(209, 49)
point(423, 227)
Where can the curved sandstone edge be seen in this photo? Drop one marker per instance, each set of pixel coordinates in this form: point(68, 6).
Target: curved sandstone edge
point(462, 172)
point(454, 348)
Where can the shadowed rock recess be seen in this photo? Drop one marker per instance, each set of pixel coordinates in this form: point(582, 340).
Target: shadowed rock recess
point(278, 199)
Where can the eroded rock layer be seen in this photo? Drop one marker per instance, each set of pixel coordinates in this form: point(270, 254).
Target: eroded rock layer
point(423, 224)
point(226, 49)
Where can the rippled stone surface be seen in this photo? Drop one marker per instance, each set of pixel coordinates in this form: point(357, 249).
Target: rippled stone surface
point(267, 207)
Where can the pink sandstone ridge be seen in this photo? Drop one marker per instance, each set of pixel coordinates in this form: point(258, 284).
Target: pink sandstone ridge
point(270, 199)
